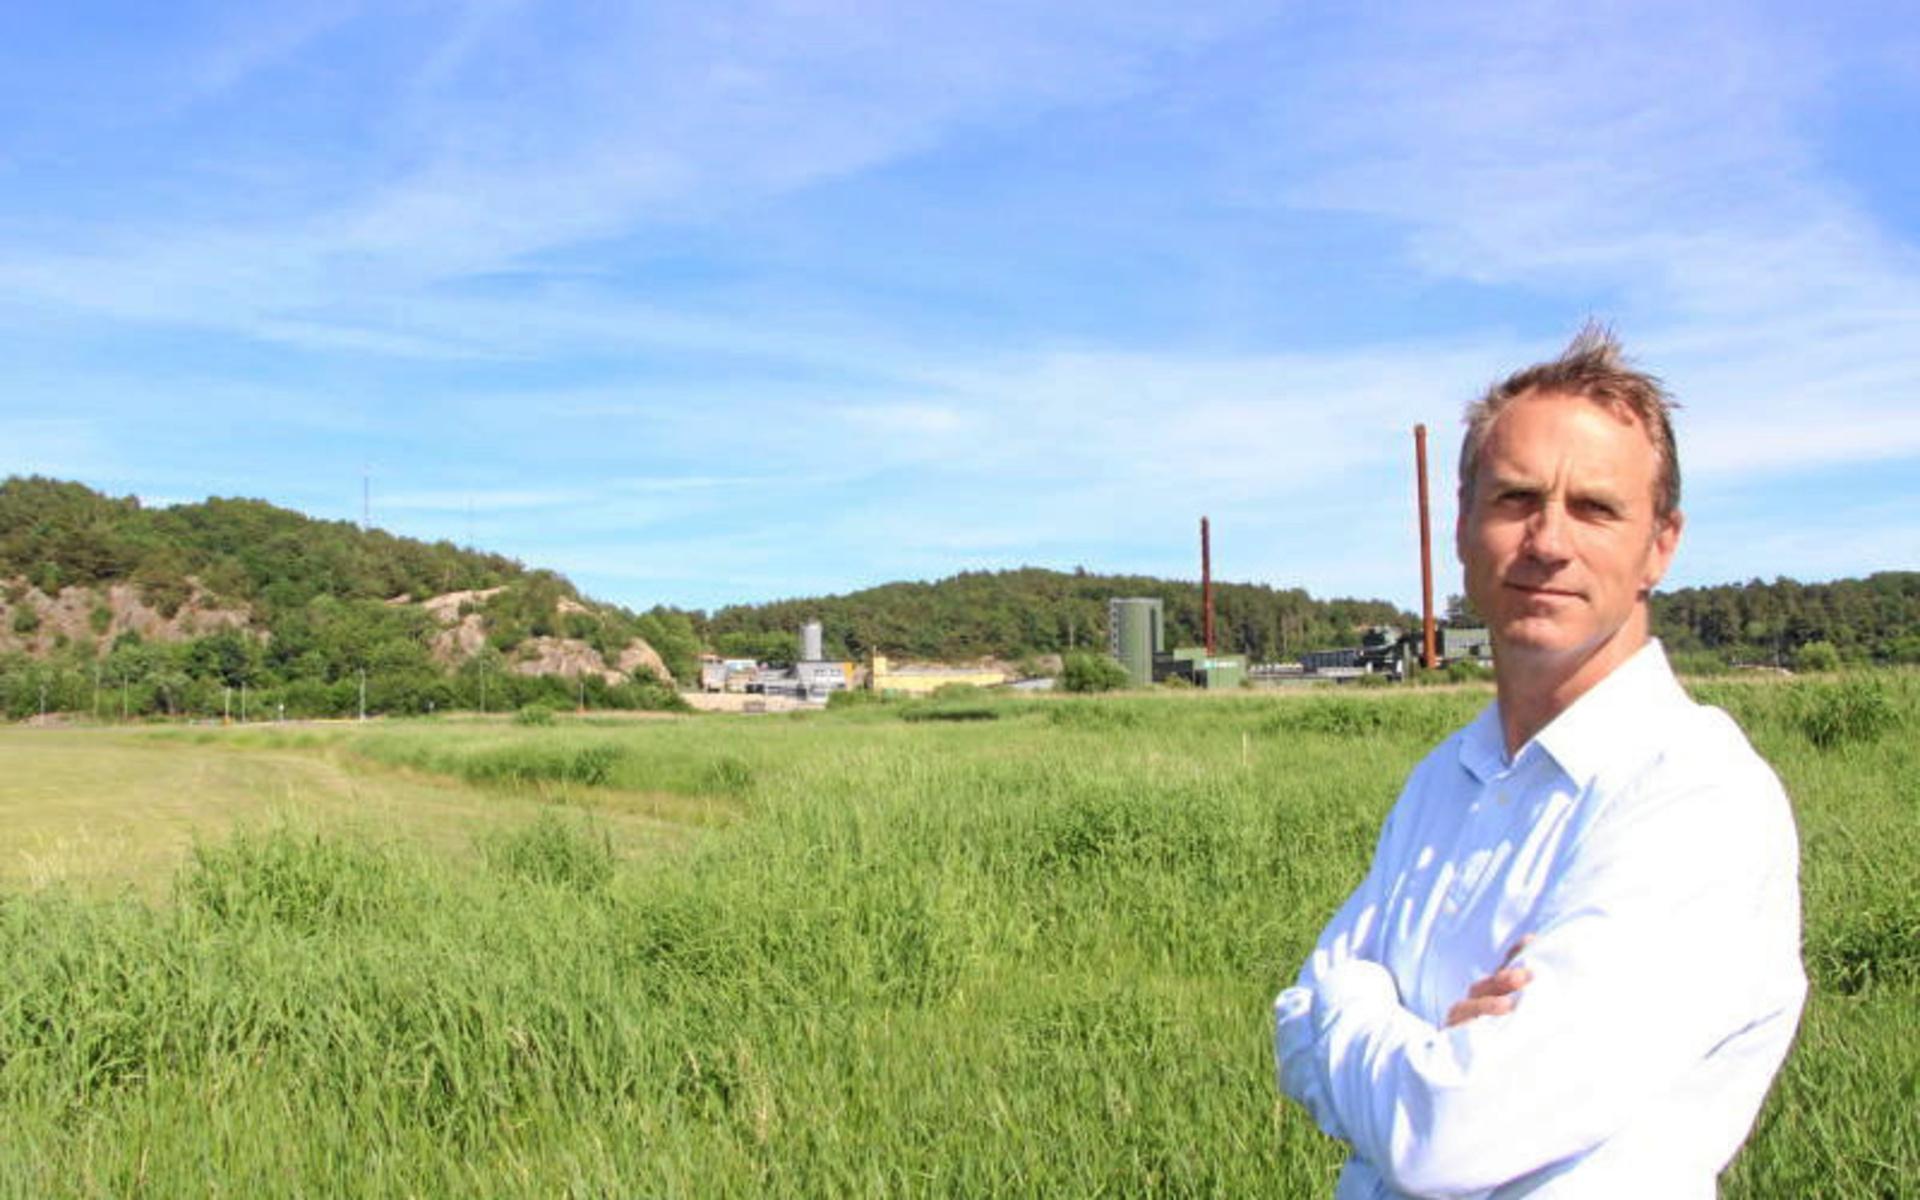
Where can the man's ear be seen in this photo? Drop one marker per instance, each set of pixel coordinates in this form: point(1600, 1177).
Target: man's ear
point(1666, 540)
point(1460, 525)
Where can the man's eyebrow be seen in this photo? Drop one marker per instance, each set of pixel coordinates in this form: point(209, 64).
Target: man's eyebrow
point(1498, 482)
point(1604, 496)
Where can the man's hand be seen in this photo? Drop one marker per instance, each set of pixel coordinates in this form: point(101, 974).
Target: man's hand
point(1493, 996)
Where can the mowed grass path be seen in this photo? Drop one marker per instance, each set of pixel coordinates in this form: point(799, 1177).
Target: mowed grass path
point(1026, 953)
point(101, 809)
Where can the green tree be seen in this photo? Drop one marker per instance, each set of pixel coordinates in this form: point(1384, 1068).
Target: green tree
point(1085, 672)
point(1817, 656)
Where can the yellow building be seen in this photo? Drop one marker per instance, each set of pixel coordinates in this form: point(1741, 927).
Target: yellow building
point(918, 681)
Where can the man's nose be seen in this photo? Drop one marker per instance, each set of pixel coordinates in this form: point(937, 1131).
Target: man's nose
point(1547, 533)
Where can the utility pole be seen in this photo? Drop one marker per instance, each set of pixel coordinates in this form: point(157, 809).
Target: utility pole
point(96, 689)
point(363, 693)
point(226, 705)
point(243, 702)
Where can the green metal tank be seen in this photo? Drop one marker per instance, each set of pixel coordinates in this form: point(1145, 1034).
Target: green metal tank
point(1136, 631)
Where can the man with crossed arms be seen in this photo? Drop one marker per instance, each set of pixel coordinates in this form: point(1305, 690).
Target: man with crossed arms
point(1573, 967)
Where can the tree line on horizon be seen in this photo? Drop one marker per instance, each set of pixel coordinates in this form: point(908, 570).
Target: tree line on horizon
point(322, 593)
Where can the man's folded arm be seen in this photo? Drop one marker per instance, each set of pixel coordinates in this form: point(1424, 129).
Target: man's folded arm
point(1353, 935)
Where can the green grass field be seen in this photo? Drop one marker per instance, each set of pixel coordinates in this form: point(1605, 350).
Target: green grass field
point(872, 951)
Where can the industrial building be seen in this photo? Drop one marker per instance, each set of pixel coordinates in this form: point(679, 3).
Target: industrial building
point(727, 674)
point(1201, 669)
point(813, 677)
point(883, 677)
point(1474, 644)
point(1136, 635)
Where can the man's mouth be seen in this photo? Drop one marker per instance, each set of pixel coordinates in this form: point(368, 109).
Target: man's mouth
point(1536, 590)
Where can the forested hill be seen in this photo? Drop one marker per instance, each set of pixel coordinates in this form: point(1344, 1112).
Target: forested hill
point(177, 605)
point(1876, 619)
point(57, 534)
point(1013, 614)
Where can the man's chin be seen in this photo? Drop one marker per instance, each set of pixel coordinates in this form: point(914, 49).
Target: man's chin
point(1532, 637)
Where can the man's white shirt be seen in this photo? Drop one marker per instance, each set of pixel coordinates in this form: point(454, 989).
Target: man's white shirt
point(1650, 855)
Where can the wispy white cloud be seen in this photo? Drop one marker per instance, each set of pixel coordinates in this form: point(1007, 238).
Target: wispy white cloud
point(530, 261)
point(1690, 203)
point(672, 114)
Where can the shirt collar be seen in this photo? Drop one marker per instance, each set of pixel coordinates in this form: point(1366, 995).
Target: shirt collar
point(1616, 720)
point(1483, 744)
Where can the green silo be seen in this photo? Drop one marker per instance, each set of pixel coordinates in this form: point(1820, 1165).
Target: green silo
point(1136, 631)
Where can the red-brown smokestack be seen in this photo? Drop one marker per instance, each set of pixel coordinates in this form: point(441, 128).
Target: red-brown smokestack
point(1427, 658)
point(1206, 582)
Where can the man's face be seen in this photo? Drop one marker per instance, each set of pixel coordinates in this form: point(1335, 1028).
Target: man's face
point(1559, 540)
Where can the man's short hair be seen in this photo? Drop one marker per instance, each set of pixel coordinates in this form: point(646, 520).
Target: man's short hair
point(1594, 366)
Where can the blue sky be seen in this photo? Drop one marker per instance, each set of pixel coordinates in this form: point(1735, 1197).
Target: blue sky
point(703, 302)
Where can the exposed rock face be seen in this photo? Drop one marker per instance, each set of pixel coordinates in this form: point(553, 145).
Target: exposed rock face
point(639, 656)
point(70, 613)
point(459, 642)
point(462, 637)
point(565, 657)
point(445, 608)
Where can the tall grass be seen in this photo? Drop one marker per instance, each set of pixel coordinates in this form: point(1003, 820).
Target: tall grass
point(1030, 954)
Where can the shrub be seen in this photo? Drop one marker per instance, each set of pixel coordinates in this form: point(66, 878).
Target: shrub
point(727, 776)
point(301, 881)
point(164, 593)
point(949, 712)
point(1699, 664)
point(25, 620)
point(1089, 672)
point(1876, 945)
point(1465, 670)
point(1816, 656)
point(853, 698)
point(534, 714)
point(1850, 710)
point(529, 763)
point(555, 853)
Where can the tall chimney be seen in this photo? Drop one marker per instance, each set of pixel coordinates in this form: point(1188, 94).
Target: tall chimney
point(1206, 582)
point(1427, 656)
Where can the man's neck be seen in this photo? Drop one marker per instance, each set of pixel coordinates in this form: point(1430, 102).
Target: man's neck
point(1534, 688)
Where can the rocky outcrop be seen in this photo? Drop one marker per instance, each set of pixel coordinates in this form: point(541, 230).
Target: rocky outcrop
point(76, 614)
point(639, 656)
